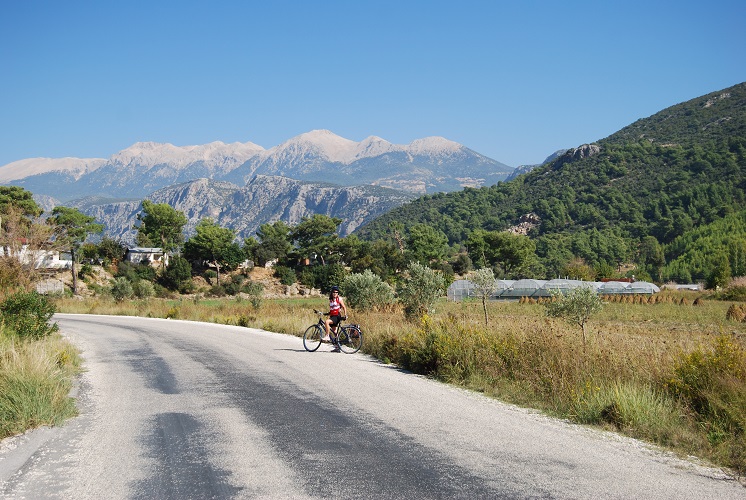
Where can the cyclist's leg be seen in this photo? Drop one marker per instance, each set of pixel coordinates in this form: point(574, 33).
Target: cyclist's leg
point(328, 324)
point(334, 327)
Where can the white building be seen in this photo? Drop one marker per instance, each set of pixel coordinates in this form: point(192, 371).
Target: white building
point(155, 256)
point(41, 259)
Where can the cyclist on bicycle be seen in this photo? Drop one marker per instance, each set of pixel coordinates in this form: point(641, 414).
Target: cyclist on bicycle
point(337, 312)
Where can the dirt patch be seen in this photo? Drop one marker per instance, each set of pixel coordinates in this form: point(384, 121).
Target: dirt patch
point(274, 289)
point(98, 278)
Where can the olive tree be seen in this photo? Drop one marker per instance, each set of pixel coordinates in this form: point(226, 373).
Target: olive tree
point(576, 307)
point(484, 286)
point(366, 291)
point(419, 289)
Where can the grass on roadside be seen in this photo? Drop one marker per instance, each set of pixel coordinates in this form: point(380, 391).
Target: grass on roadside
point(35, 381)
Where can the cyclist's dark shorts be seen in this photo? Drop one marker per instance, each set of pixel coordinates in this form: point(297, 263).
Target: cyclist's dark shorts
point(335, 320)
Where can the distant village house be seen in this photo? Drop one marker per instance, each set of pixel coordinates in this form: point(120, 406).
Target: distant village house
point(154, 256)
point(41, 259)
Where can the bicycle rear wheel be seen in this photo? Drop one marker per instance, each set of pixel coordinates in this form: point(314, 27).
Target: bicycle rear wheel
point(312, 338)
point(350, 339)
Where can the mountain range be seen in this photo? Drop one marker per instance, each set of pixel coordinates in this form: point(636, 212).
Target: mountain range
point(432, 164)
point(243, 185)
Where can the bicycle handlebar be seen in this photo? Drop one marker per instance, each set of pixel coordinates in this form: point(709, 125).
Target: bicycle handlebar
point(320, 313)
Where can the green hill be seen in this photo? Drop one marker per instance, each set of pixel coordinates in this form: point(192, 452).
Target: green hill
point(624, 198)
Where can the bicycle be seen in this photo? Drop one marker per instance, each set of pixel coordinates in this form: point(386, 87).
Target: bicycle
point(349, 338)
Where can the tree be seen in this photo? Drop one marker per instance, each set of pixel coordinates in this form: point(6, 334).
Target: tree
point(14, 196)
point(316, 236)
point(720, 275)
point(576, 307)
point(578, 269)
point(484, 286)
point(22, 240)
point(650, 255)
point(514, 254)
point(397, 228)
point(22, 234)
point(381, 256)
point(111, 250)
point(419, 289)
point(72, 227)
point(274, 242)
point(212, 243)
point(462, 263)
point(177, 275)
point(426, 244)
point(160, 226)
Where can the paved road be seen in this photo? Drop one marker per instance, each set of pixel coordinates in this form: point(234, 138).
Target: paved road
point(176, 410)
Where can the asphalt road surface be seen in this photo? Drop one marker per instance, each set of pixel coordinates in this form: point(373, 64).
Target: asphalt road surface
point(177, 410)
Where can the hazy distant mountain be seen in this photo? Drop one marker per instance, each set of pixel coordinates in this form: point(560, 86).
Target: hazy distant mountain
point(244, 209)
point(423, 166)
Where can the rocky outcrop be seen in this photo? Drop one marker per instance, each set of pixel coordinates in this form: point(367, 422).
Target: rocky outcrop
point(579, 153)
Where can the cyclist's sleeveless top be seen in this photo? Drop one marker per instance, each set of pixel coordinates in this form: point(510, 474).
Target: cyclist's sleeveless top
point(334, 307)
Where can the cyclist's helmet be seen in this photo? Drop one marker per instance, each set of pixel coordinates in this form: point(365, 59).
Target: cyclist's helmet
point(335, 288)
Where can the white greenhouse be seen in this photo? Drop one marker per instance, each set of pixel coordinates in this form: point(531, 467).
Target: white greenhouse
point(510, 289)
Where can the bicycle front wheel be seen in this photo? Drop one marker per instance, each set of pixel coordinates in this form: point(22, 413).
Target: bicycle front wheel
point(350, 339)
point(312, 338)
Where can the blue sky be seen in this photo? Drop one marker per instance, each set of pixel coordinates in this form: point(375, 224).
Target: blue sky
point(513, 80)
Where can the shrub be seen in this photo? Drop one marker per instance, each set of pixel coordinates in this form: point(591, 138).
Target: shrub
point(255, 291)
point(86, 270)
point(420, 289)
point(12, 274)
point(143, 289)
point(231, 288)
point(28, 315)
point(736, 290)
point(285, 274)
point(126, 270)
point(711, 381)
point(121, 289)
point(366, 291)
point(704, 375)
point(177, 275)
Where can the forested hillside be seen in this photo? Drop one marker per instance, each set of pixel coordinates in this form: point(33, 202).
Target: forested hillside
point(645, 195)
